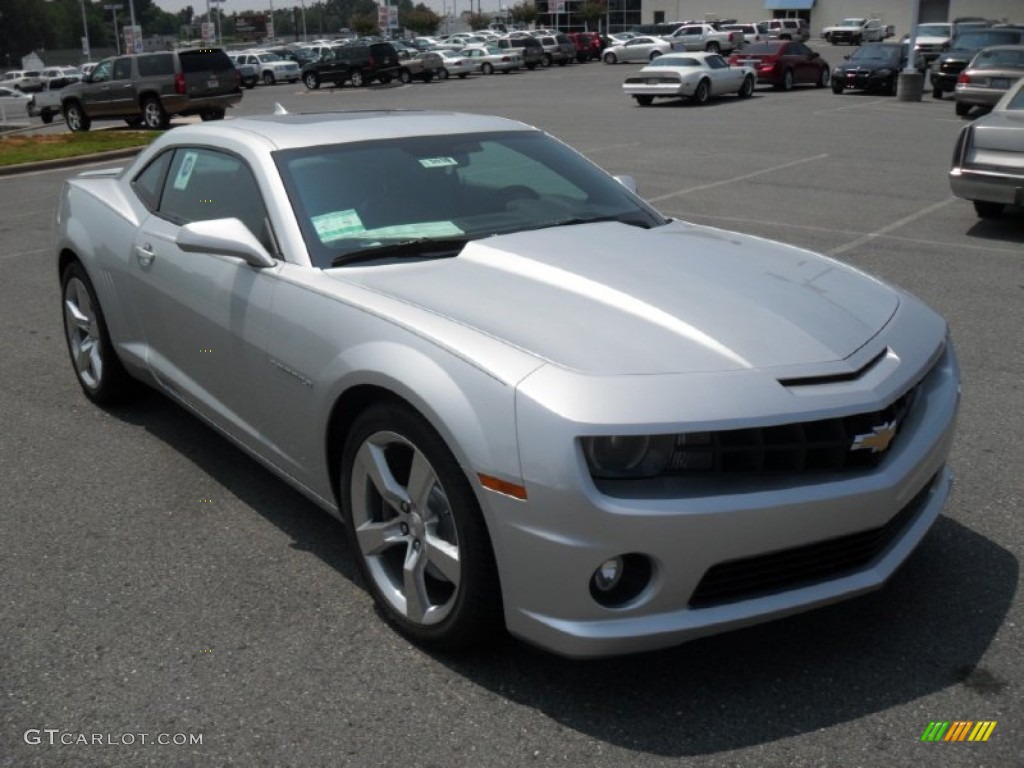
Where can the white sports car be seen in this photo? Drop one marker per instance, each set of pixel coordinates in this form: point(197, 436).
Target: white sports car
point(534, 401)
point(695, 76)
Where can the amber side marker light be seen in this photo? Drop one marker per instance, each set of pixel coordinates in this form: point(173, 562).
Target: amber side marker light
point(502, 486)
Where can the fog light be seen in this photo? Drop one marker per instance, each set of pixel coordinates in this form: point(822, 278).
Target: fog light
point(621, 579)
point(606, 578)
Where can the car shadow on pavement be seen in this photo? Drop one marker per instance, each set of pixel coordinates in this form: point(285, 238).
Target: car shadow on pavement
point(926, 631)
point(1008, 228)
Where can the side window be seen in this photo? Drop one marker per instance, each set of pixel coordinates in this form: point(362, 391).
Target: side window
point(123, 68)
point(717, 62)
point(149, 183)
point(103, 71)
point(204, 184)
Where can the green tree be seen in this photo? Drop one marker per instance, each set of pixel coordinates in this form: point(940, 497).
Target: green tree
point(364, 24)
point(420, 20)
point(479, 21)
point(524, 13)
point(592, 12)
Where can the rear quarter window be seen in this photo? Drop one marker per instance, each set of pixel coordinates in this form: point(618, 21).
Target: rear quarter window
point(205, 60)
point(156, 64)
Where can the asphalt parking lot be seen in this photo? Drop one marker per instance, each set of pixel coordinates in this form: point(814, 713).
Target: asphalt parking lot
point(154, 580)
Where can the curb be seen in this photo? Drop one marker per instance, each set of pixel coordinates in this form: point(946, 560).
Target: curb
point(69, 162)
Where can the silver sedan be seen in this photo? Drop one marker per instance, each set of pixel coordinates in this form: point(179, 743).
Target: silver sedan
point(637, 49)
point(534, 401)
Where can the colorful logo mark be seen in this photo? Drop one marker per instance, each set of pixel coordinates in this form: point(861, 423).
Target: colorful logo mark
point(959, 730)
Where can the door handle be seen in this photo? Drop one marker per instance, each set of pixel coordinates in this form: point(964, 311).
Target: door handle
point(144, 254)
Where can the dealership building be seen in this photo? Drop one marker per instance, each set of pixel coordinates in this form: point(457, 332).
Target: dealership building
point(626, 14)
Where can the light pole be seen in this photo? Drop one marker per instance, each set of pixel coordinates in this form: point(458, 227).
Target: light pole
point(136, 39)
point(217, 30)
point(86, 48)
point(114, 8)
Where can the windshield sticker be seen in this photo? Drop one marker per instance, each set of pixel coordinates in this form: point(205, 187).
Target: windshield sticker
point(430, 229)
point(438, 162)
point(185, 171)
point(337, 224)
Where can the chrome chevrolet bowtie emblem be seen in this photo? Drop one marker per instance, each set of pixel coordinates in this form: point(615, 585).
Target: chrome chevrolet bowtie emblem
point(877, 440)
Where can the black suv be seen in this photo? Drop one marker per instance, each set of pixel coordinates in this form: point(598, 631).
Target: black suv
point(148, 88)
point(967, 42)
point(359, 63)
point(529, 49)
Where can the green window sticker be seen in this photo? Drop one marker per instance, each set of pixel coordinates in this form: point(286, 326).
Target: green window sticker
point(337, 224)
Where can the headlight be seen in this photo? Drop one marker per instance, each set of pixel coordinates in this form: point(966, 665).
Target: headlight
point(627, 456)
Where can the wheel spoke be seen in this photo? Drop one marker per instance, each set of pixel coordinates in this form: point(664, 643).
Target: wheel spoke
point(83, 353)
point(414, 588)
point(374, 462)
point(421, 481)
point(444, 556)
point(374, 538)
point(76, 317)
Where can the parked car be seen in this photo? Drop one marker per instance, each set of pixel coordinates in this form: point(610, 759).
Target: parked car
point(14, 103)
point(248, 75)
point(855, 31)
point(420, 65)
point(455, 65)
point(789, 29)
point(988, 159)
point(55, 78)
point(588, 45)
point(696, 76)
point(149, 88)
point(272, 68)
point(932, 39)
point(529, 49)
point(784, 63)
point(357, 63)
point(88, 67)
point(26, 80)
point(752, 33)
point(46, 104)
point(991, 73)
point(778, 442)
point(558, 49)
point(968, 41)
point(638, 49)
point(705, 37)
point(488, 59)
point(872, 67)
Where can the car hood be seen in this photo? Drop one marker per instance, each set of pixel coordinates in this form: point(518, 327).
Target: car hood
point(875, 62)
point(612, 299)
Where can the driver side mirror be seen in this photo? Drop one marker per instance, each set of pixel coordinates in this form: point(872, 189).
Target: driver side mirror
point(224, 237)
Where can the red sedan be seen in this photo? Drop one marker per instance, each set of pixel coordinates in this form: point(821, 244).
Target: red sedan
point(784, 63)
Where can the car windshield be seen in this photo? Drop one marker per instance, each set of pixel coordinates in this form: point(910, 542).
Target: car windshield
point(983, 39)
point(349, 198)
point(675, 61)
point(851, 22)
point(874, 52)
point(933, 30)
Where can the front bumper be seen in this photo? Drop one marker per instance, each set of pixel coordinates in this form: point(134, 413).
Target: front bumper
point(549, 547)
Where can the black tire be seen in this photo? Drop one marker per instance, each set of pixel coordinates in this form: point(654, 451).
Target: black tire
point(702, 93)
point(824, 78)
point(211, 114)
point(250, 84)
point(133, 122)
point(358, 79)
point(531, 67)
point(610, 58)
point(937, 93)
point(311, 80)
point(837, 87)
point(892, 85)
point(46, 116)
point(546, 61)
point(405, 76)
point(99, 371)
point(487, 68)
point(747, 89)
point(644, 101)
point(443, 74)
point(962, 110)
point(153, 115)
point(451, 599)
point(428, 76)
point(713, 47)
point(987, 210)
point(787, 81)
point(76, 118)
point(268, 78)
point(463, 75)
point(654, 55)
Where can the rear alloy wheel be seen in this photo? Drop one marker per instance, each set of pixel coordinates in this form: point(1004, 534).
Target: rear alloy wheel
point(99, 372)
point(747, 89)
point(824, 77)
point(987, 210)
point(487, 68)
point(405, 76)
point(546, 61)
point(962, 109)
point(713, 47)
point(311, 80)
point(654, 55)
point(644, 101)
point(787, 80)
point(76, 118)
point(153, 115)
point(358, 81)
point(443, 74)
point(702, 94)
point(416, 530)
point(268, 78)
point(610, 58)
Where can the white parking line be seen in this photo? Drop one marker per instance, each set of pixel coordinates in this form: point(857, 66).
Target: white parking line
point(734, 179)
point(859, 105)
point(890, 227)
point(6, 256)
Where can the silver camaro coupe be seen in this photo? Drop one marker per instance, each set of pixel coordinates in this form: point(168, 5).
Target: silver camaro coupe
point(533, 400)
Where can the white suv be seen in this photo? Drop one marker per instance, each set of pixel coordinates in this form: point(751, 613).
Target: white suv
point(789, 29)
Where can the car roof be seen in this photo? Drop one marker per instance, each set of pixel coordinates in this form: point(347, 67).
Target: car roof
point(291, 131)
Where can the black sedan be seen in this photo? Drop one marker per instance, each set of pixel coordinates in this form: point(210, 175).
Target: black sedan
point(872, 67)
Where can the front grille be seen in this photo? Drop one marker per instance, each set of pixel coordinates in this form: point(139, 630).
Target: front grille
point(811, 563)
point(825, 445)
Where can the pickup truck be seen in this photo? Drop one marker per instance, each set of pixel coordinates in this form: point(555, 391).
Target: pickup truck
point(704, 37)
point(855, 31)
point(46, 103)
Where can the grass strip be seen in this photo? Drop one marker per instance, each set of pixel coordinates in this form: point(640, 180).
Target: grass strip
point(31, 149)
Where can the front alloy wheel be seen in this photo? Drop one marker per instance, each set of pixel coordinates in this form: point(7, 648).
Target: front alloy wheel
point(76, 118)
point(358, 80)
point(153, 115)
point(311, 80)
point(416, 529)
